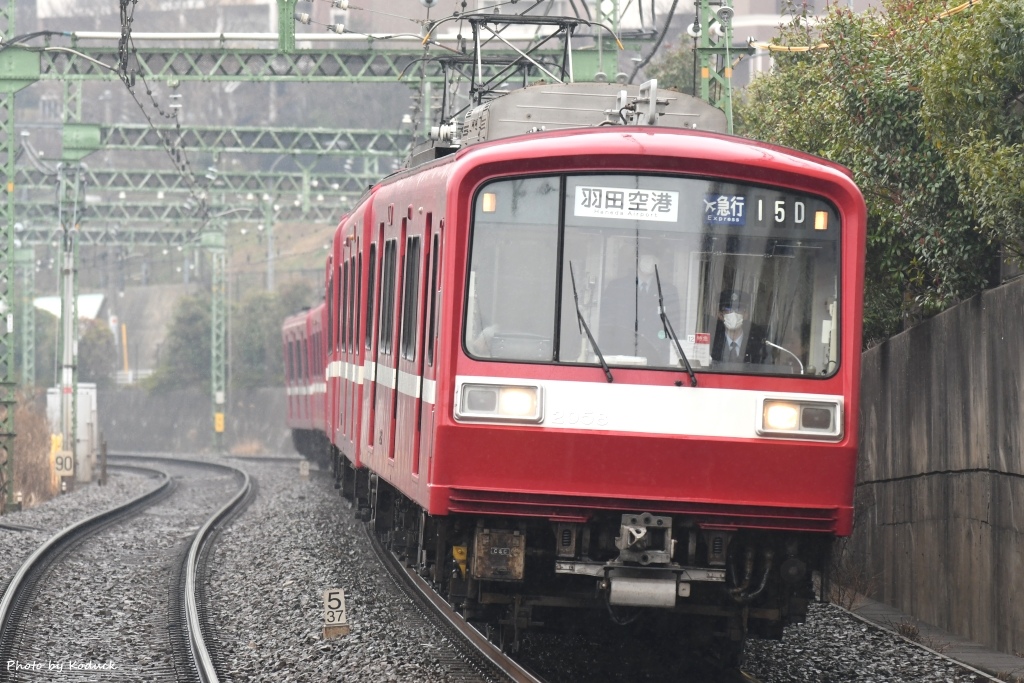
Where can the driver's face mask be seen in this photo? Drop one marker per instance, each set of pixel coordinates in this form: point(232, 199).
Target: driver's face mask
point(733, 320)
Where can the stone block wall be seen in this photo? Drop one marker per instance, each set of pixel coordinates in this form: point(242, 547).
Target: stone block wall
point(940, 504)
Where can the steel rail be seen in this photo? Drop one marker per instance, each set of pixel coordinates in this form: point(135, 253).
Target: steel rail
point(205, 667)
point(439, 607)
point(22, 583)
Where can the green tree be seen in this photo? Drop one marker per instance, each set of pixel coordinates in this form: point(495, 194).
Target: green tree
point(97, 353)
point(859, 101)
point(255, 358)
point(256, 355)
point(184, 359)
point(973, 111)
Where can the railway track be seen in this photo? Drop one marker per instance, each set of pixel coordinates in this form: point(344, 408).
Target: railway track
point(161, 556)
point(488, 663)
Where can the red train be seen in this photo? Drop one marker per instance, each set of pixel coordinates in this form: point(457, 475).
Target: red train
point(597, 367)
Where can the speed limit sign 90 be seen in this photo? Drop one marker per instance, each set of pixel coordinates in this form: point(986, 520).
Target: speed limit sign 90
point(64, 463)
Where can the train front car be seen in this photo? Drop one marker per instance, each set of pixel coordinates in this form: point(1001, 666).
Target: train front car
point(654, 387)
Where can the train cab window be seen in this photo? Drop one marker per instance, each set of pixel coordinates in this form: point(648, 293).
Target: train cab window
point(410, 297)
point(739, 278)
point(513, 270)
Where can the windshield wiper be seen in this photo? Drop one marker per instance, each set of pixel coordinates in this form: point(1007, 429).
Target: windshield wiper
point(683, 360)
point(583, 326)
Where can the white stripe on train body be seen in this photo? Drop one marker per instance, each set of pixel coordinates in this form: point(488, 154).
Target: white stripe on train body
point(646, 409)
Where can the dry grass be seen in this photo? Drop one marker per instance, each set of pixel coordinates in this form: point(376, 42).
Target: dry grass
point(849, 578)
point(909, 629)
point(1010, 676)
point(34, 477)
point(248, 447)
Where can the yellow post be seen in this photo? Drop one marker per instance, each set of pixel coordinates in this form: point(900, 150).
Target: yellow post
point(124, 345)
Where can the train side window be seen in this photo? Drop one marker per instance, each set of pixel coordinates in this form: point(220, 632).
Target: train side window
point(357, 276)
point(353, 302)
point(344, 307)
point(387, 294)
point(371, 285)
point(293, 358)
point(330, 311)
point(410, 297)
point(315, 354)
point(432, 319)
point(289, 374)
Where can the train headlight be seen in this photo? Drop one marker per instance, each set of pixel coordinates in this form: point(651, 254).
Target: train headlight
point(801, 419)
point(779, 416)
point(500, 402)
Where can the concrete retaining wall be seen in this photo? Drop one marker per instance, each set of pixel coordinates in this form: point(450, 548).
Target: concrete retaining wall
point(940, 505)
point(182, 421)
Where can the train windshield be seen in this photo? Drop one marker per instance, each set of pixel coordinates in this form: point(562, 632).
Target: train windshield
point(739, 278)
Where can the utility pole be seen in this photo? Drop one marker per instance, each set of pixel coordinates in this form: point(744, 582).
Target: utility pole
point(25, 260)
point(713, 31)
point(18, 69)
point(213, 241)
point(70, 193)
point(269, 216)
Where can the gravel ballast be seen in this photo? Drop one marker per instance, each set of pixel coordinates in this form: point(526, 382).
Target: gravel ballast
point(268, 574)
point(270, 566)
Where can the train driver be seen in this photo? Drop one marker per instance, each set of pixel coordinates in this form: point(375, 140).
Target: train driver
point(737, 339)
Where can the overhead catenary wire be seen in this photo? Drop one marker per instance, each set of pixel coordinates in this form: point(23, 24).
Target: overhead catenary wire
point(657, 44)
point(175, 151)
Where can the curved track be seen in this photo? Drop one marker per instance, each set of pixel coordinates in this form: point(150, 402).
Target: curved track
point(199, 663)
point(190, 587)
point(18, 594)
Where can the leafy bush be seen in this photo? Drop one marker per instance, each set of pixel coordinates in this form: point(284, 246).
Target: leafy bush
point(870, 100)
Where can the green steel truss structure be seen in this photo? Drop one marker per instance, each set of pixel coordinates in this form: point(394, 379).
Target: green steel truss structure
point(371, 144)
point(716, 45)
point(7, 212)
point(31, 182)
point(363, 64)
point(148, 206)
point(151, 224)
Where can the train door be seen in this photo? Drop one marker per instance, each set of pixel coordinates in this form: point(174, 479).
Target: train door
point(373, 308)
point(342, 341)
point(355, 368)
point(427, 347)
point(411, 351)
point(385, 406)
point(289, 375)
point(330, 354)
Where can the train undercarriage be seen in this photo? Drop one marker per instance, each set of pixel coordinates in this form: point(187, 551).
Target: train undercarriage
point(710, 588)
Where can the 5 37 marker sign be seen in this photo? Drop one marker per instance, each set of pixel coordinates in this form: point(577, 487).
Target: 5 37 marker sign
point(335, 623)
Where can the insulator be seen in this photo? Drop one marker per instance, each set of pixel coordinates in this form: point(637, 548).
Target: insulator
point(340, 4)
point(336, 28)
point(716, 546)
point(302, 17)
point(566, 538)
